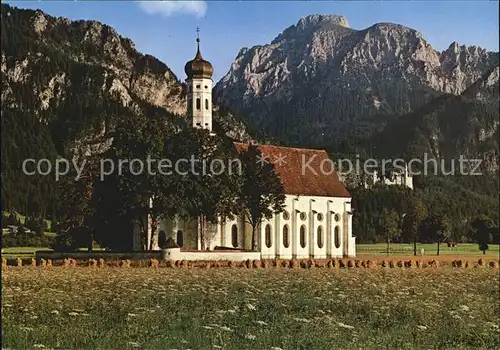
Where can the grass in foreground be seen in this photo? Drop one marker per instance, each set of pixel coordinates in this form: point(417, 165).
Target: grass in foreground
point(250, 309)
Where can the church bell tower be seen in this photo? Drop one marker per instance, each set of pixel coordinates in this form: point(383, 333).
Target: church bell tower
point(199, 90)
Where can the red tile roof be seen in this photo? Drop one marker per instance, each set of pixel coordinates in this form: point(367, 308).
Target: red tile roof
point(303, 172)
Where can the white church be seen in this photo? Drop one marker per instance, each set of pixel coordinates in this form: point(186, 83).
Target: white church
point(317, 221)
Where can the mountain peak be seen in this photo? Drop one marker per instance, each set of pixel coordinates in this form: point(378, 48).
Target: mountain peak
point(454, 47)
point(312, 23)
point(318, 20)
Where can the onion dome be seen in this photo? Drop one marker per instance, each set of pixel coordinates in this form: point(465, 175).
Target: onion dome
point(198, 67)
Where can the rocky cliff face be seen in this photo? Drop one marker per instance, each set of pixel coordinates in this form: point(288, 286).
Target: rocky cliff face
point(321, 83)
point(126, 71)
point(57, 69)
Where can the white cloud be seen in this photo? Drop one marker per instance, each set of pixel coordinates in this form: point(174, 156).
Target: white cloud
point(168, 8)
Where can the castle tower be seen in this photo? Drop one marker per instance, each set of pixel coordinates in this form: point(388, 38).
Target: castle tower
point(199, 90)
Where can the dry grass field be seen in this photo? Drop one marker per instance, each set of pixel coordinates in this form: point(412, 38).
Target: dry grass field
point(241, 308)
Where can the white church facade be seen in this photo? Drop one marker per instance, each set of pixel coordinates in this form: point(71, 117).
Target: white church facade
point(316, 223)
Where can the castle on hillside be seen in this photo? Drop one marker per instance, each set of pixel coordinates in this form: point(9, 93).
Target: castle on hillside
point(402, 178)
point(317, 220)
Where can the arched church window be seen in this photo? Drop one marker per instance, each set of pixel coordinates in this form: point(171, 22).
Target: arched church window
point(303, 236)
point(206, 104)
point(320, 237)
point(180, 239)
point(234, 235)
point(286, 239)
point(198, 104)
point(162, 239)
point(337, 236)
point(268, 236)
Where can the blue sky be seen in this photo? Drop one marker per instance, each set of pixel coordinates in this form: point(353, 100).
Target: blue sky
point(168, 30)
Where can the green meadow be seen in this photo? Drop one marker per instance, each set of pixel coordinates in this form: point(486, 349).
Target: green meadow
point(147, 308)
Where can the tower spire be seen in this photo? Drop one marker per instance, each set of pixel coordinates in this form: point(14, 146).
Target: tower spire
point(198, 53)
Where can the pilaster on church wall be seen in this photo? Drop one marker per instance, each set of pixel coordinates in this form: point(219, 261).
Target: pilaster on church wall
point(247, 236)
point(212, 235)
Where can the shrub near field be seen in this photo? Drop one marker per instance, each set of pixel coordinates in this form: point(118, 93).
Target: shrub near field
point(250, 308)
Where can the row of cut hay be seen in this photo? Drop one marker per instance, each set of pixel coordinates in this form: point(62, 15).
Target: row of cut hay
point(481, 263)
point(292, 264)
point(19, 263)
point(65, 263)
point(435, 263)
point(409, 263)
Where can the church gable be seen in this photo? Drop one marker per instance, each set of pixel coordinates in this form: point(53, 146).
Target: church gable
point(303, 172)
